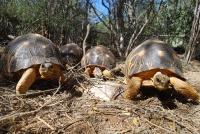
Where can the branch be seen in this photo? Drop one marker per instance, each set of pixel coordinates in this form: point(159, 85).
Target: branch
point(194, 33)
point(105, 6)
point(132, 40)
point(84, 43)
point(99, 17)
point(157, 125)
point(135, 34)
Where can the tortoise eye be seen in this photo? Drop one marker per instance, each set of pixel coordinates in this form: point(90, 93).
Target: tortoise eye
point(51, 66)
point(158, 80)
point(168, 81)
point(42, 65)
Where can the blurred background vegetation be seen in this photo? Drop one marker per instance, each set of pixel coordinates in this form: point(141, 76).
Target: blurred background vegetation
point(117, 24)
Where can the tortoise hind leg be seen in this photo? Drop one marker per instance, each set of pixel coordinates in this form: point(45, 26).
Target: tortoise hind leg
point(26, 81)
point(133, 88)
point(183, 88)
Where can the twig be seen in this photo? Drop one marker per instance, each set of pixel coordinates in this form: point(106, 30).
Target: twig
point(81, 84)
point(69, 117)
point(157, 125)
point(92, 127)
point(179, 123)
point(84, 43)
point(31, 112)
point(124, 131)
point(68, 125)
point(45, 123)
point(193, 113)
point(32, 93)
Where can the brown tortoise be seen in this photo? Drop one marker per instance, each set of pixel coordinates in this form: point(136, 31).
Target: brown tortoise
point(71, 54)
point(154, 63)
point(31, 57)
point(98, 60)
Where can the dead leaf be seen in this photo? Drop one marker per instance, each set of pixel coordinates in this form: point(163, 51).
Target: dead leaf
point(95, 108)
point(90, 112)
point(171, 125)
point(135, 122)
point(126, 113)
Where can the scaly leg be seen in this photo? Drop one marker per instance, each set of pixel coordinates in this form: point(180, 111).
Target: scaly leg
point(107, 73)
point(88, 71)
point(133, 88)
point(183, 88)
point(26, 81)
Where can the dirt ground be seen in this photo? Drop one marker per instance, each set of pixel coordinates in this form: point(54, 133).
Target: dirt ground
point(68, 110)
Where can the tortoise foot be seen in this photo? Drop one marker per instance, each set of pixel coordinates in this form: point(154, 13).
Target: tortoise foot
point(184, 89)
point(26, 81)
point(133, 88)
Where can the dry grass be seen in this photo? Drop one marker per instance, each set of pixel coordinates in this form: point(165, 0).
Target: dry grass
point(66, 110)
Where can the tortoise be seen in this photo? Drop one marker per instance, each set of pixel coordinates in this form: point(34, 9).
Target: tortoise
point(30, 57)
point(98, 60)
point(71, 54)
point(155, 63)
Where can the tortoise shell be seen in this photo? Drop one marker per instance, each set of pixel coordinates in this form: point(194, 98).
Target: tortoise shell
point(150, 57)
point(71, 53)
point(99, 56)
point(28, 50)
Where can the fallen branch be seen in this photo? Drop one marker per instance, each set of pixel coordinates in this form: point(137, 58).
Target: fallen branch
point(179, 123)
point(157, 125)
point(45, 123)
point(84, 43)
point(68, 125)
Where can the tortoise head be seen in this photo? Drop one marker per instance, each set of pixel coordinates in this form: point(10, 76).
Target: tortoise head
point(161, 81)
point(70, 61)
point(46, 69)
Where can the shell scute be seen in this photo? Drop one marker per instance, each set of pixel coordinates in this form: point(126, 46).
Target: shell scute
point(153, 54)
point(99, 56)
point(28, 50)
point(71, 53)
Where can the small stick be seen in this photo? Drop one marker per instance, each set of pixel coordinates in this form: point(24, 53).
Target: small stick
point(68, 125)
point(157, 125)
point(45, 123)
point(179, 123)
point(84, 43)
point(30, 112)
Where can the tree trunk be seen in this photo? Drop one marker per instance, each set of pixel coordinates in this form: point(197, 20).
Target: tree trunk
point(194, 37)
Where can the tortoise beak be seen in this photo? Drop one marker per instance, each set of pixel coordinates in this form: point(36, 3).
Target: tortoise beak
point(46, 69)
point(161, 81)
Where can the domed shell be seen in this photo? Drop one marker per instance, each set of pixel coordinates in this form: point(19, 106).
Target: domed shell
point(28, 50)
point(153, 55)
point(71, 53)
point(99, 56)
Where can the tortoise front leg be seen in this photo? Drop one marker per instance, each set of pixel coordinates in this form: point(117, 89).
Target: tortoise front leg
point(107, 74)
point(88, 71)
point(183, 88)
point(26, 81)
point(133, 88)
